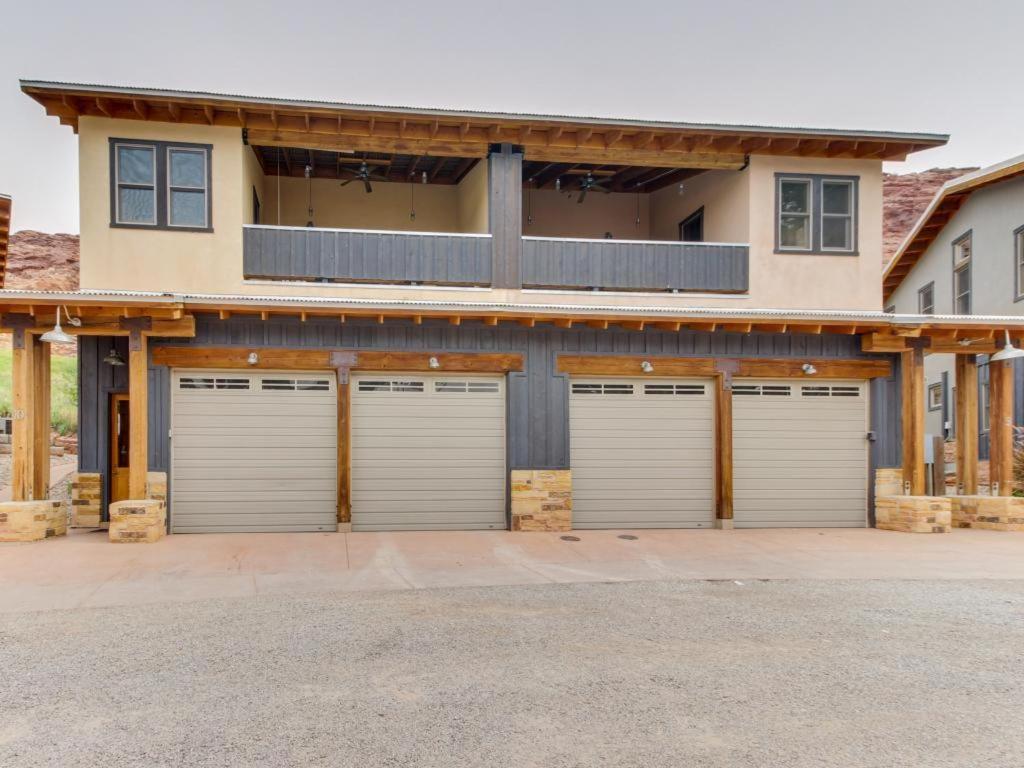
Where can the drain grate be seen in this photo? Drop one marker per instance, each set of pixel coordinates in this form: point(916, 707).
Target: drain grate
point(569, 538)
point(628, 536)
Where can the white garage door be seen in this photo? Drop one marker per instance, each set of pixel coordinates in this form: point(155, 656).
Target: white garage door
point(428, 452)
point(800, 454)
point(254, 451)
point(642, 453)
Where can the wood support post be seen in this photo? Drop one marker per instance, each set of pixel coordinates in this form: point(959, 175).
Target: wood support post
point(23, 384)
point(505, 214)
point(723, 444)
point(344, 452)
point(138, 414)
point(40, 419)
point(1000, 403)
point(912, 386)
point(966, 425)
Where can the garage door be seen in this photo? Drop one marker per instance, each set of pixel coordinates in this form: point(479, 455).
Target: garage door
point(254, 452)
point(642, 453)
point(428, 453)
point(800, 454)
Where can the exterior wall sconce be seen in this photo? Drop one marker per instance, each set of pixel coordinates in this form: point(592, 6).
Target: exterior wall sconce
point(809, 369)
point(646, 367)
point(434, 363)
point(253, 358)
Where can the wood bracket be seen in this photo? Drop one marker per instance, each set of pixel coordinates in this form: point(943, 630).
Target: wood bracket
point(343, 362)
point(136, 323)
point(728, 368)
point(19, 323)
point(135, 340)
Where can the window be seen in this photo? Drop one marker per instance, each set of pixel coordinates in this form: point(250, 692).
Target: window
point(691, 229)
point(962, 274)
point(836, 215)
point(1018, 262)
point(816, 214)
point(255, 207)
point(935, 397)
point(795, 214)
point(160, 185)
point(926, 299)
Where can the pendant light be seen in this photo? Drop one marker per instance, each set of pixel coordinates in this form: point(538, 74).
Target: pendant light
point(1008, 352)
point(57, 334)
point(309, 194)
point(114, 358)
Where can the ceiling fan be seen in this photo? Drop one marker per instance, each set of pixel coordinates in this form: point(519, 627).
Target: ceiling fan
point(364, 175)
point(589, 182)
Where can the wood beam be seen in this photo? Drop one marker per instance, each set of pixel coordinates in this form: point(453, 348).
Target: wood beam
point(653, 158)
point(40, 419)
point(912, 385)
point(1000, 404)
point(966, 425)
point(23, 381)
point(138, 415)
point(723, 447)
point(384, 144)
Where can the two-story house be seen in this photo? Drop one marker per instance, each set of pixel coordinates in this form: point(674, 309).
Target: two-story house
point(315, 316)
point(964, 256)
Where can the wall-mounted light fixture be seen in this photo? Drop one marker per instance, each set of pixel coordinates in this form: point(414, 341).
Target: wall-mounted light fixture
point(646, 367)
point(808, 369)
point(434, 363)
point(253, 358)
point(1008, 352)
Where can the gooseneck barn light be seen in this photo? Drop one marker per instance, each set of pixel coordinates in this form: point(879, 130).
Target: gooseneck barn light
point(1008, 352)
point(114, 358)
point(58, 335)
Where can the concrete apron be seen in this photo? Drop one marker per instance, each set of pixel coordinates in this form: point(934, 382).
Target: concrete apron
point(83, 569)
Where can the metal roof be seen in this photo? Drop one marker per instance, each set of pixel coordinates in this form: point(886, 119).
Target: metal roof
point(127, 90)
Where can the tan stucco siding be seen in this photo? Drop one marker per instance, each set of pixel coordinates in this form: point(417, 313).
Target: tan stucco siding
point(808, 281)
point(253, 181)
point(472, 200)
point(724, 195)
point(129, 259)
point(558, 214)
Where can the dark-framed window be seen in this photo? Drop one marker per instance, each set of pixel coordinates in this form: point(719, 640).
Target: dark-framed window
point(935, 397)
point(962, 251)
point(926, 299)
point(1018, 263)
point(161, 185)
point(256, 207)
point(691, 229)
point(816, 214)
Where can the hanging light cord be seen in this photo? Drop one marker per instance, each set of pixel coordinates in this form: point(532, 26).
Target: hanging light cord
point(279, 150)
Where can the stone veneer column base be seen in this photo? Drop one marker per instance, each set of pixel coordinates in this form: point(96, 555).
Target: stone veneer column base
point(156, 486)
point(32, 520)
point(992, 513)
point(724, 524)
point(913, 514)
point(137, 522)
point(86, 500)
point(541, 500)
point(889, 481)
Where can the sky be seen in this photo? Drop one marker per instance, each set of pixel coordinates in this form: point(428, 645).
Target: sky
point(908, 65)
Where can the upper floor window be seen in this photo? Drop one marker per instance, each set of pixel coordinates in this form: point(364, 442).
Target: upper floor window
point(1018, 261)
point(691, 229)
point(926, 299)
point(816, 214)
point(160, 185)
point(962, 274)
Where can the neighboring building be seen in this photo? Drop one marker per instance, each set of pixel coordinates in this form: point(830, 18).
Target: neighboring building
point(5, 234)
point(965, 255)
point(388, 318)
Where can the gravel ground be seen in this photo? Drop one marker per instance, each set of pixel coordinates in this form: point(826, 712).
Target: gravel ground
point(59, 466)
point(779, 673)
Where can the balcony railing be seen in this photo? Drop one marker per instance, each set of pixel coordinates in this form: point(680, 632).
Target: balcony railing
point(368, 256)
point(635, 265)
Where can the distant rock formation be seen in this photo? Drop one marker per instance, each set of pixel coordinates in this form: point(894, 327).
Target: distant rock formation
point(905, 196)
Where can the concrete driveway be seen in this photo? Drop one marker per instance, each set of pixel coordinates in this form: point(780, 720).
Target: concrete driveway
point(84, 569)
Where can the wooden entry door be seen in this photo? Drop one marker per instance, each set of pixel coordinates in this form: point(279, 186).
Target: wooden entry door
point(120, 447)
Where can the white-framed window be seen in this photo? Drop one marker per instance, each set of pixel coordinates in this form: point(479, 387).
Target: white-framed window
point(926, 299)
point(186, 187)
point(1018, 262)
point(836, 215)
point(160, 185)
point(935, 397)
point(135, 184)
point(816, 214)
point(962, 250)
point(794, 214)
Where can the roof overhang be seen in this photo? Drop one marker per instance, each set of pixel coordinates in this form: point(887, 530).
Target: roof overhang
point(464, 133)
point(940, 210)
point(112, 313)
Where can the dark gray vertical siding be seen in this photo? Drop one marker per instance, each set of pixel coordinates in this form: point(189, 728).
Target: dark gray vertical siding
point(1018, 401)
point(538, 397)
point(505, 214)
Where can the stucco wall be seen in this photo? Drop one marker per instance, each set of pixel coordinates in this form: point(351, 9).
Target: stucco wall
point(558, 214)
point(253, 180)
point(471, 198)
point(725, 197)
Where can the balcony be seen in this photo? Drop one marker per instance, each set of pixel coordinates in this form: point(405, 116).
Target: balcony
point(366, 256)
point(635, 265)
